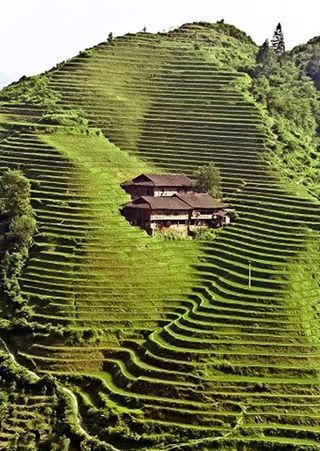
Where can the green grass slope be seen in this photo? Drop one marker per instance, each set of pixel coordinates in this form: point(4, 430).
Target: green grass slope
point(164, 342)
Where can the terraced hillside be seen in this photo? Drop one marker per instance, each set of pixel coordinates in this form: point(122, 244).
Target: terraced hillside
point(166, 344)
point(23, 414)
point(29, 407)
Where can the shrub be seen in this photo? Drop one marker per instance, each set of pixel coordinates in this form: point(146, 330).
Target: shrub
point(204, 234)
point(66, 118)
point(208, 179)
point(15, 194)
point(12, 266)
point(21, 229)
point(35, 90)
point(15, 204)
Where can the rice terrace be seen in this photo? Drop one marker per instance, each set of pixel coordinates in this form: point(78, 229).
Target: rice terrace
point(113, 338)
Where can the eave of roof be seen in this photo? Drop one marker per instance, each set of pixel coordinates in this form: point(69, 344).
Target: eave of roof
point(201, 201)
point(161, 180)
point(185, 202)
point(158, 203)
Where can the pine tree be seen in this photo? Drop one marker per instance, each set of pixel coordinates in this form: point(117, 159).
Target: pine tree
point(263, 52)
point(277, 43)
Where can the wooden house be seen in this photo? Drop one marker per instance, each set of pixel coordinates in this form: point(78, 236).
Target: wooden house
point(182, 211)
point(158, 185)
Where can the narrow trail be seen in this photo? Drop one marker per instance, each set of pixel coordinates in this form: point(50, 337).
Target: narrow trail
point(70, 394)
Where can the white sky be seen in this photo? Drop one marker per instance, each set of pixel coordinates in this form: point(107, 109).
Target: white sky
point(37, 34)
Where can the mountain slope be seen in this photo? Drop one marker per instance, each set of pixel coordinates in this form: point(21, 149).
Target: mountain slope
point(306, 57)
point(165, 343)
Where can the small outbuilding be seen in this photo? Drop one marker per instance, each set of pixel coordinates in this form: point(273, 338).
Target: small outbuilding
point(158, 185)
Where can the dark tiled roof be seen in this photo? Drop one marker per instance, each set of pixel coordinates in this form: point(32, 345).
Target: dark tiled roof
point(189, 201)
point(159, 203)
point(201, 201)
point(169, 180)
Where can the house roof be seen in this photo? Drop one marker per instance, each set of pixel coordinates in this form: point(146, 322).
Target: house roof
point(158, 203)
point(157, 180)
point(200, 201)
point(185, 202)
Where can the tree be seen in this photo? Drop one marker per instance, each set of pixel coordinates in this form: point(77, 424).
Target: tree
point(277, 43)
point(208, 179)
point(110, 36)
point(263, 53)
point(144, 29)
point(22, 229)
point(14, 194)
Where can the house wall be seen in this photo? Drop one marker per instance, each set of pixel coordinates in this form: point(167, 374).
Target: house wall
point(162, 221)
point(169, 217)
point(165, 220)
point(169, 191)
point(137, 217)
point(138, 191)
point(164, 191)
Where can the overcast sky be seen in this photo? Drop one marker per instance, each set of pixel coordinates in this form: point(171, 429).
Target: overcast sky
point(36, 34)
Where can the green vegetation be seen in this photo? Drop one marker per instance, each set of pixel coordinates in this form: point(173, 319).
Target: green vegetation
point(100, 173)
point(208, 180)
point(307, 59)
point(30, 411)
point(15, 205)
point(304, 272)
point(34, 90)
point(15, 194)
point(70, 118)
point(168, 343)
point(293, 119)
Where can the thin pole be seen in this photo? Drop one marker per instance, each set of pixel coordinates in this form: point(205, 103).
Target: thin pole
point(249, 269)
